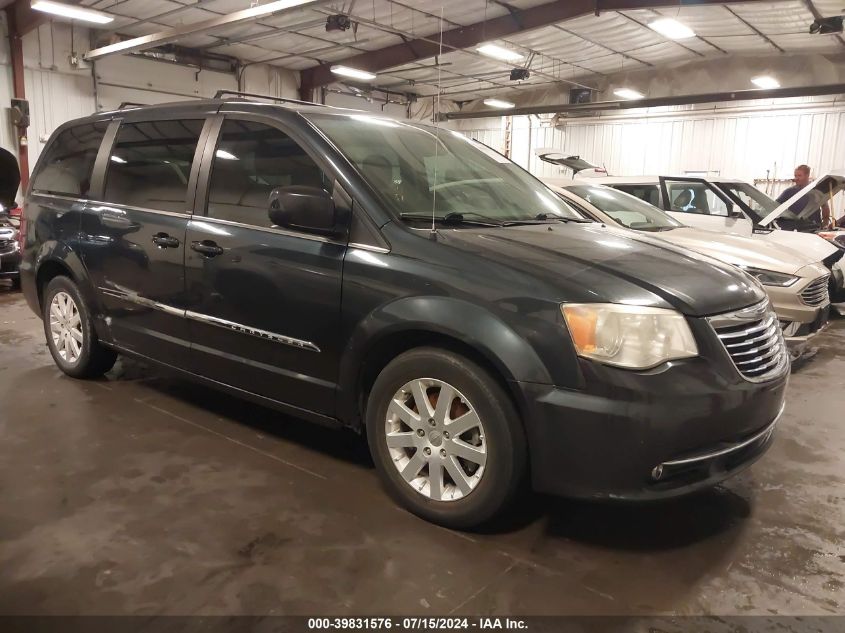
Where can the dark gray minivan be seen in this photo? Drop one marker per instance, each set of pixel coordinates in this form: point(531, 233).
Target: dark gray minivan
point(405, 282)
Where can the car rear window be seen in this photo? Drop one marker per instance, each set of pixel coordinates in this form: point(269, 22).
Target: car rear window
point(68, 161)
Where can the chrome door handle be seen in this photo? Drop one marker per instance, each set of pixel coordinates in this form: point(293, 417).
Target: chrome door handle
point(207, 248)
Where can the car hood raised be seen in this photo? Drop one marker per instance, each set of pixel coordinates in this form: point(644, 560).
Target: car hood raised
point(596, 263)
point(739, 250)
point(814, 195)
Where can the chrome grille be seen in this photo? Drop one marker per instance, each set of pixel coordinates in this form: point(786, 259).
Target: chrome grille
point(816, 293)
point(5, 243)
point(753, 339)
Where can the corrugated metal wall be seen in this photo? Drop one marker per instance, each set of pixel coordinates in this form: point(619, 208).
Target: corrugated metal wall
point(747, 142)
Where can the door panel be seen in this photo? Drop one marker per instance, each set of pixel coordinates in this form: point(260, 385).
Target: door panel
point(264, 303)
point(134, 242)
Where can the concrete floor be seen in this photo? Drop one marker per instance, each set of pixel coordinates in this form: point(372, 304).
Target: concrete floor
point(139, 494)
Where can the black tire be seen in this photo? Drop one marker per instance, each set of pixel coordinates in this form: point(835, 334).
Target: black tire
point(94, 359)
point(506, 454)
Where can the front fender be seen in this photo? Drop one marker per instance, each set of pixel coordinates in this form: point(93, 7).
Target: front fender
point(472, 325)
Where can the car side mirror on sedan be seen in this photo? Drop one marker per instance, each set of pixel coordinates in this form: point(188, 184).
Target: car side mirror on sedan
point(734, 212)
point(303, 208)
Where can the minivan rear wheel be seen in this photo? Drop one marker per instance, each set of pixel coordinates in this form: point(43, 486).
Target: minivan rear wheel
point(70, 332)
point(446, 439)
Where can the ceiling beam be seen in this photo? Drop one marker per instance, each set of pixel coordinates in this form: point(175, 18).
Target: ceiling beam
point(818, 16)
point(495, 28)
point(176, 33)
point(603, 106)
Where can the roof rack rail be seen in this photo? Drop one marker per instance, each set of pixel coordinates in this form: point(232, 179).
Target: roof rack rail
point(235, 93)
point(130, 104)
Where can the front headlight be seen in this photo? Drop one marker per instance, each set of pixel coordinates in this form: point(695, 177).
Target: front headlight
point(633, 337)
point(770, 277)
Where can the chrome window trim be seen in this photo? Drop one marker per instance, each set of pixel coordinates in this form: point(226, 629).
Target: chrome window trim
point(368, 247)
point(117, 205)
point(267, 229)
point(58, 196)
point(730, 449)
point(210, 320)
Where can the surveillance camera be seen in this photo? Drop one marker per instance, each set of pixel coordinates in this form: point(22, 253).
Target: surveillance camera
point(827, 26)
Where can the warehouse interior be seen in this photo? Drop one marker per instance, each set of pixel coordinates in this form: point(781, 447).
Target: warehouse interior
point(140, 493)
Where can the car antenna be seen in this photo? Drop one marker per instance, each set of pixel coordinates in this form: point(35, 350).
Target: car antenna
point(433, 234)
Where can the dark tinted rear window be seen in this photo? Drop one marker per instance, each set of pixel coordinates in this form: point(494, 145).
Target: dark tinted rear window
point(68, 161)
point(150, 164)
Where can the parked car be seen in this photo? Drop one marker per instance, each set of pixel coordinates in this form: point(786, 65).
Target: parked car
point(795, 282)
point(10, 252)
point(10, 180)
point(734, 206)
point(401, 279)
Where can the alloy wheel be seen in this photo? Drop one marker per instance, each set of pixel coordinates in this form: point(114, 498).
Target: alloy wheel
point(66, 327)
point(436, 439)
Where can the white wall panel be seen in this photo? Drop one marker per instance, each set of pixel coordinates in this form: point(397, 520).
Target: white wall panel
point(739, 142)
point(54, 98)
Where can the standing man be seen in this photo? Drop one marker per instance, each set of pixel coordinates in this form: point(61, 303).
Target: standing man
point(818, 220)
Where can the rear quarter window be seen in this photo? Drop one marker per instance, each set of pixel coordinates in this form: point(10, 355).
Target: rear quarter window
point(68, 162)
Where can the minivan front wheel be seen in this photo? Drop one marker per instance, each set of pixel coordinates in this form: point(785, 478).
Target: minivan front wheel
point(446, 439)
point(71, 338)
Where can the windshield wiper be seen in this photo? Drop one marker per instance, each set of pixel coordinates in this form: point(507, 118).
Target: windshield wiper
point(452, 218)
point(545, 218)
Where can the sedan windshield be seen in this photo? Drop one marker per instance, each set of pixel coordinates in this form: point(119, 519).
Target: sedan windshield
point(625, 209)
point(754, 202)
point(420, 171)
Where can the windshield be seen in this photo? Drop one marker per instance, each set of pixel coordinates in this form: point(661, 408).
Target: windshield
point(753, 201)
point(457, 177)
point(625, 209)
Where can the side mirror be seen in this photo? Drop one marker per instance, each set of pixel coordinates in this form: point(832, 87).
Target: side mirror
point(301, 208)
point(734, 212)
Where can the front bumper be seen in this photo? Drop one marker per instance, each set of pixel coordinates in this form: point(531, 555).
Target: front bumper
point(697, 418)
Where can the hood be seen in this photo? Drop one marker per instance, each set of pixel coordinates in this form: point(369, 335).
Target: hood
point(817, 193)
point(597, 263)
point(738, 250)
point(575, 163)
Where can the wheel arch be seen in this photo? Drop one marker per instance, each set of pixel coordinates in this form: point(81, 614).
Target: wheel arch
point(454, 325)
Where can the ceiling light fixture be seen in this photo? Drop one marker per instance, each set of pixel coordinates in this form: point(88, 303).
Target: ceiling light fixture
point(498, 103)
point(500, 53)
point(766, 82)
point(354, 73)
point(671, 28)
point(222, 153)
point(628, 93)
point(74, 13)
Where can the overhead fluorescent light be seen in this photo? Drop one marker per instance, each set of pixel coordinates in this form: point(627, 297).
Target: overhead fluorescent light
point(74, 13)
point(766, 82)
point(222, 153)
point(499, 52)
point(354, 73)
point(671, 28)
point(117, 159)
point(498, 103)
point(183, 31)
point(628, 93)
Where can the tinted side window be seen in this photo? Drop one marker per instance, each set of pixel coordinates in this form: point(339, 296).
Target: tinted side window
point(69, 161)
point(251, 160)
point(150, 164)
point(649, 193)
